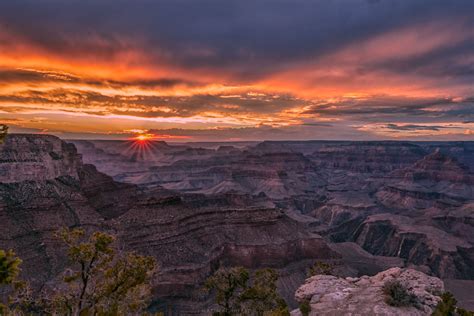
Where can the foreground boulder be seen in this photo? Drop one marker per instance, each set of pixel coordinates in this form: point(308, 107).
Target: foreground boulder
point(330, 295)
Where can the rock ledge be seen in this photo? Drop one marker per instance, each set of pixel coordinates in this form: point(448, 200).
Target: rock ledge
point(330, 295)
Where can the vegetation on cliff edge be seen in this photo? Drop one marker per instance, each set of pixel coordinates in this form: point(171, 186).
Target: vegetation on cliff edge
point(101, 280)
point(238, 292)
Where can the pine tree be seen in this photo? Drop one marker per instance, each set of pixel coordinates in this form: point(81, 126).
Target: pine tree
point(102, 280)
point(239, 293)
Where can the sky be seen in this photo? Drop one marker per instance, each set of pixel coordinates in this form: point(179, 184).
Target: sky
point(213, 70)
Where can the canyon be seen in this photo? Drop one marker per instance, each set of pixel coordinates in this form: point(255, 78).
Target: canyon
point(364, 207)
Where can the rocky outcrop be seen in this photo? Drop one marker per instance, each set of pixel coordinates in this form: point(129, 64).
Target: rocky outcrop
point(38, 157)
point(425, 246)
point(436, 180)
point(458, 222)
point(330, 295)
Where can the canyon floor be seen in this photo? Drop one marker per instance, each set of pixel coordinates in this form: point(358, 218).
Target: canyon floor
point(362, 206)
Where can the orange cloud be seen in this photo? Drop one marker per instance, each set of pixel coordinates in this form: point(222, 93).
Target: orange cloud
point(109, 86)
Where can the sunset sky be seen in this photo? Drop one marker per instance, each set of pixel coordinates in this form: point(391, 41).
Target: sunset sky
point(218, 70)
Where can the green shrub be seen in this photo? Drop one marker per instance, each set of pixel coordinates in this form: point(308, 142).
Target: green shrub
point(9, 267)
point(463, 312)
point(239, 292)
point(396, 294)
point(447, 307)
point(321, 268)
point(101, 280)
point(305, 308)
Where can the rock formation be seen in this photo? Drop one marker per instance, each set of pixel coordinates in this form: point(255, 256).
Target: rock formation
point(330, 295)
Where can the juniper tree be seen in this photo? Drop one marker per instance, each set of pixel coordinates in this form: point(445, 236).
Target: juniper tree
point(238, 292)
point(9, 270)
point(102, 280)
point(228, 284)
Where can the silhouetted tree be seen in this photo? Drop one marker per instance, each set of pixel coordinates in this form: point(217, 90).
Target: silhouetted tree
point(237, 293)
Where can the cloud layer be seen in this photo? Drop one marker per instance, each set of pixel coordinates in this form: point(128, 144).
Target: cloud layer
point(342, 69)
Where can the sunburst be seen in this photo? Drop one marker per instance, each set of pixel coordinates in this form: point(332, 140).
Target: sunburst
point(142, 147)
point(144, 137)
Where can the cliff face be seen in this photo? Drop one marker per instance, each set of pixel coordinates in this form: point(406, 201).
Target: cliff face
point(45, 186)
point(425, 246)
point(421, 213)
point(38, 157)
point(190, 242)
point(434, 180)
point(330, 295)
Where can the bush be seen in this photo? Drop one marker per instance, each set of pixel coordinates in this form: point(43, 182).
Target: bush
point(9, 267)
point(238, 292)
point(305, 308)
point(463, 312)
point(321, 268)
point(101, 280)
point(447, 307)
point(396, 294)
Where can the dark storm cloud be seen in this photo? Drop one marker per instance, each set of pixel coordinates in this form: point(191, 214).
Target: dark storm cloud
point(441, 63)
point(389, 108)
point(414, 127)
point(377, 105)
point(250, 37)
point(22, 76)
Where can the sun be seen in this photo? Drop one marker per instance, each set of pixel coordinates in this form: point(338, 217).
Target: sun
point(144, 137)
